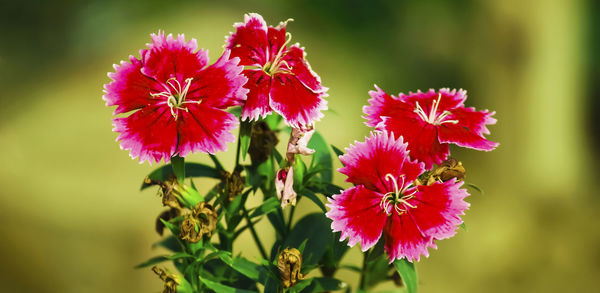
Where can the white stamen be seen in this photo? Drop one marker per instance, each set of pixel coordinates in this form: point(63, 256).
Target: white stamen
point(175, 94)
point(396, 197)
point(433, 118)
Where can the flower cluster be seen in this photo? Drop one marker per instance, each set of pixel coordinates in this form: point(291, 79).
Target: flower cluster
point(171, 102)
point(176, 101)
point(385, 172)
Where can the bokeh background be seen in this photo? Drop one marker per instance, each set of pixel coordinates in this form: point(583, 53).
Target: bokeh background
point(72, 218)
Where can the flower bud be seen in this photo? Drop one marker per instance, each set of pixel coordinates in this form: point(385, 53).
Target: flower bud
point(284, 185)
point(262, 141)
point(170, 280)
point(289, 263)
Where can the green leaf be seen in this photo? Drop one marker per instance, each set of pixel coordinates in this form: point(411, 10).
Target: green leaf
point(323, 284)
point(378, 269)
point(463, 226)
point(174, 229)
point(316, 228)
point(322, 157)
point(245, 135)
point(171, 243)
point(408, 273)
point(267, 206)
point(314, 198)
point(475, 187)
point(273, 120)
point(178, 165)
point(217, 287)
point(165, 172)
point(247, 268)
point(299, 171)
point(184, 286)
point(337, 151)
point(152, 261)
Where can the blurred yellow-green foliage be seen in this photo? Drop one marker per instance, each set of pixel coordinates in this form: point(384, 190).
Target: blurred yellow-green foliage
point(72, 218)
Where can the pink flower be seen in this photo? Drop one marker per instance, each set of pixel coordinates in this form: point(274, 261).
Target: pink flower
point(384, 200)
point(175, 100)
point(430, 121)
point(279, 77)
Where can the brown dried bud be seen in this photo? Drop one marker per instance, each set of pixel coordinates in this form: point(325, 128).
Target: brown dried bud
point(289, 264)
point(262, 141)
point(232, 184)
point(166, 215)
point(170, 280)
point(201, 221)
point(166, 191)
point(449, 169)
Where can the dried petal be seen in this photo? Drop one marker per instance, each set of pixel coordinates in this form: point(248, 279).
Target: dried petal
point(298, 143)
point(284, 185)
point(171, 281)
point(262, 142)
point(289, 263)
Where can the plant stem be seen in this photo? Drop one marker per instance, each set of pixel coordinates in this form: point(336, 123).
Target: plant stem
point(254, 234)
point(291, 216)
point(237, 152)
point(363, 274)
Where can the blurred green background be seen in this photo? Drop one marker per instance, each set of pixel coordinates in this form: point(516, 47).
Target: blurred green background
point(72, 218)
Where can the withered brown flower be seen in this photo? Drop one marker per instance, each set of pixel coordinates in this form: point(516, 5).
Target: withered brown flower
point(232, 184)
point(262, 141)
point(201, 221)
point(170, 280)
point(289, 263)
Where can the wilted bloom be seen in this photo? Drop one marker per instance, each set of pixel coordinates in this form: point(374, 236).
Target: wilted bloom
point(430, 121)
point(170, 280)
point(284, 185)
point(232, 184)
point(279, 77)
point(201, 221)
point(289, 263)
point(175, 100)
point(262, 141)
point(298, 143)
point(384, 200)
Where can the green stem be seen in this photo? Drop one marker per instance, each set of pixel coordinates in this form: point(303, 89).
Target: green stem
point(291, 216)
point(363, 274)
point(237, 153)
point(178, 165)
point(254, 234)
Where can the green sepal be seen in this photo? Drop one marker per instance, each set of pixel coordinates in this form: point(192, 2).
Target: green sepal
point(178, 166)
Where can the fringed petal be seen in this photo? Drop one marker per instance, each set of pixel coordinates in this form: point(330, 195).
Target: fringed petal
point(403, 239)
point(205, 129)
point(129, 89)
point(149, 133)
point(257, 103)
point(299, 105)
point(369, 162)
point(356, 212)
point(249, 41)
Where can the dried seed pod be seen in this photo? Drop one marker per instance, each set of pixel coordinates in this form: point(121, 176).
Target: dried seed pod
point(201, 221)
point(232, 184)
point(190, 229)
point(289, 263)
point(262, 141)
point(170, 280)
point(449, 169)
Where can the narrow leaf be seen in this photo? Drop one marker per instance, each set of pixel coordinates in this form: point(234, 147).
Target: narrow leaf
point(245, 134)
point(178, 165)
point(217, 287)
point(314, 198)
point(165, 172)
point(408, 273)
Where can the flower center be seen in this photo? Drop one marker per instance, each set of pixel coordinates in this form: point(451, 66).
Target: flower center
point(433, 117)
point(396, 197)
point(175, 94)
point(278, 65)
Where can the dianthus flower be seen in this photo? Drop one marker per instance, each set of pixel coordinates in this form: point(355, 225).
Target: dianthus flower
point(279, 77)
point(430, 121)
point(177, 100)
point(385, 201)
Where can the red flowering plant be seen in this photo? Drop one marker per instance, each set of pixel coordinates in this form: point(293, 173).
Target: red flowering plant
point(171, 102)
